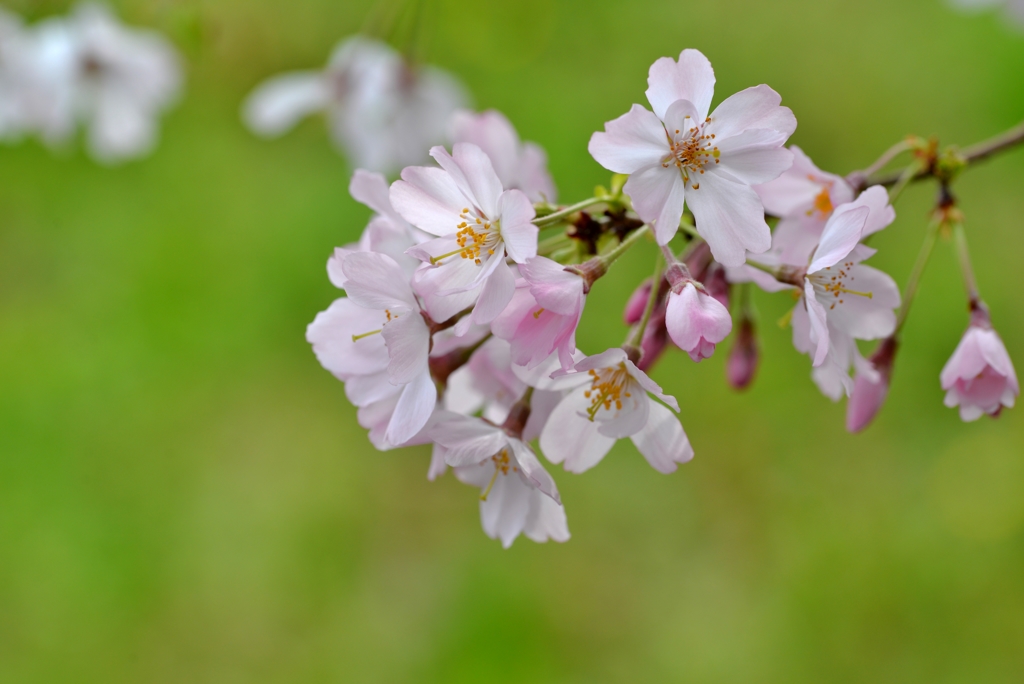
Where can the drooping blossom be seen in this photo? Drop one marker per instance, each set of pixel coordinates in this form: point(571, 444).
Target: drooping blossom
point(543, 314)
point(519, 165)
point(377, 341)
point(518, 496)
point(979, 377)
point(803, 198)
point(383, 112)
point(88, 68)
point(871, 386)
point(680, 154)
point(610, 399)
point(696, 321)
point(479, 223)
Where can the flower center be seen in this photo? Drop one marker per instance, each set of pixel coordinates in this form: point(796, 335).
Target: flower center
point(475, 236)
point(607, 388)
point(834, 282)
point(822, 201)
point(502, 466)
point(691, 149)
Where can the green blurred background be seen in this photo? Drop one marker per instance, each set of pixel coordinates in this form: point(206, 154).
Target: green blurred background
point(185, 495)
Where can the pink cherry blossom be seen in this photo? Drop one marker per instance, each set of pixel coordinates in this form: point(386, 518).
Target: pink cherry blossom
point(803, 197)
point(979, 377)
point(543, 314)
point(518, 495)
point(479, 223)
point(523, 166)
point(381, 312)
point(610, 399)
point(696, 321)
point(680, 153)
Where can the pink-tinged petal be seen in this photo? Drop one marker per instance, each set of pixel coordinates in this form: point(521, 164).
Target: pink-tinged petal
point(429, 199)
point(866, 399)
point(876, 199)
point(535, 179)
point(456, 276)
point(371, 189)
point(363, 390)
point(532, 470)
point(691, 78)
point(571, 438)
point(546, 520)
point(801, 324)
point(417, 402)
point(865, 318)
point(663, 442)
point(796, 191)
point(630, 142)
point(680, 117)
point(606, 359)
point(657, 193)
point(468, 441)
point(437, 465)
point(376, 281)
point(519, 234)
point(492, 132)
point(488, 264)
point(819, 324)
point(278, 104)
point(331, 333)
point(796, 237)
point(757, 107)
point(473, 173)
point(693, 318)
point(749, 274)
point(650, 386)
point(994, 352)
point(375, 418)
point(967, 360)
point(408, 341)
point(754, 157)
point(549, 375)
point(730, 217)
point(552, 286)
point(335, 273)
point(541, 405)
point(495, 295)
point(841, 235)
point(503, 513)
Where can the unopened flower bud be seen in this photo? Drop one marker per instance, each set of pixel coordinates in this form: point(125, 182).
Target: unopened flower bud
point(741, 367)
point(979, 377)
point(871, 386)
point(716, 283)
point(654, 342)
point(696, 321)
point(634, 310)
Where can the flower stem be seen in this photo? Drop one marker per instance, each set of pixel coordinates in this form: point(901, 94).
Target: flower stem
point(636, 335)
point(903, 181)
point(624, 246)
point(915, 274)
point(970, 284)
point(555, 217)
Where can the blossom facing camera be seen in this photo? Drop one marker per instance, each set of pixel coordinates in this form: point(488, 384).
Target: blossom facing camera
point(696, 321)
point(870, 386)
point(679, 153)
point(979, 377)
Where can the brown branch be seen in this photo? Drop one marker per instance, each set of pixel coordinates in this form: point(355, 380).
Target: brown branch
point(970, 155)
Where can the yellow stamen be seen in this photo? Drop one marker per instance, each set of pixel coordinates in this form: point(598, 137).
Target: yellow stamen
point(356, 338)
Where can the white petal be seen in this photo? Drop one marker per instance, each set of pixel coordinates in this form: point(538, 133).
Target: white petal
point(495, 295)
point(651, 387)
point(417, 402)
point(842, 233)
point(657, 193)
point(277, 104)
point(533, 471)
point(376, 281)
point(571, 439)
point(546, 520)
point(663, 442)
point(408, 341)
point(866, 318)
point(632, 141)
point(819, 324)
point(756, 107)
point(429, 199)
point(517, 231)
point(692, 78)
point(331, 333)
point(371, 189)
point(755, 156)
point(730, 217)
point(473, 173)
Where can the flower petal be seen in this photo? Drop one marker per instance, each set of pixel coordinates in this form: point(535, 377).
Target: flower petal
point(570, 438)
point(819, 324)
point(278, 103)
point(546, 520)
point(663, 442)
point(495, 295)
point(408, 340)
point(419, 397)
point(429, 199)
point(730, 217)
point(657, 193)
point(376, 281)
point(520, 235)
point(532, 470)
point(630, 142)
point(842, 233)
point(756, 107)
point(691, 78)
point(472, 171)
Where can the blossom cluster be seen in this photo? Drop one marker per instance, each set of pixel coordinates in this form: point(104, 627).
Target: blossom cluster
point(85, 69)
point(458, 328)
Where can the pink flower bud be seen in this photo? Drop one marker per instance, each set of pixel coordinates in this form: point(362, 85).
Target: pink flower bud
point(870, 387)
point(634, 310)
point(716, 283)
point(741, 367)
point(655, 340)
point(696, 321)
point(979, 377)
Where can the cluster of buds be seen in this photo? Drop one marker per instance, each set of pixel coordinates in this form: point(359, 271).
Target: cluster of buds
point(459, 324)
point(87, 69)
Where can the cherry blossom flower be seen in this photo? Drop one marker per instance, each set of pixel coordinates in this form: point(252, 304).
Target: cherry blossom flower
point(378, 343)
point(479, 223)
point(115, 80)
point(520, 166)
point(979, 377)
point(610, 400)
point(384, 113)
point(804, 198)
point(696, 321)
point(518, 495)
point(681, 153)
point(543, 314)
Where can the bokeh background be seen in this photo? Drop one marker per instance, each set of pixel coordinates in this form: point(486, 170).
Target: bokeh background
point(185, 495)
